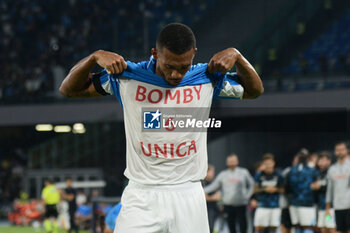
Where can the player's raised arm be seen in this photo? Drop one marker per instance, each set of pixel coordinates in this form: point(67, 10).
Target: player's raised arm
point(78, 82)
point(224, 61)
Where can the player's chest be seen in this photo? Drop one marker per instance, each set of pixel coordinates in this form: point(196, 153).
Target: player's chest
point(144, 94)
point(268, 181)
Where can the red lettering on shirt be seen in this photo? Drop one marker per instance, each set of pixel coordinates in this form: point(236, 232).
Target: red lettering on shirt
point(163, 152)
point(188, 95)
point(140, 93)
point(149, 149)
point(158, 150)
point(160, 96)
point(192, 147)
point(172, 97)
point(198, 92)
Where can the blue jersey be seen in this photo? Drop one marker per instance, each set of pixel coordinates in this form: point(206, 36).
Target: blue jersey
point(112, 216)
point(268, 200)
point(321, 193)
point(299, 181)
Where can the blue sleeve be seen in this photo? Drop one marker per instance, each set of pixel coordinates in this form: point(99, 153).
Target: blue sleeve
point(107, 84)
point(227, 86)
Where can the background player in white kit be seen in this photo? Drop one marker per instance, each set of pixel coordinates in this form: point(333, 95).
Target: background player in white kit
point(164, 193)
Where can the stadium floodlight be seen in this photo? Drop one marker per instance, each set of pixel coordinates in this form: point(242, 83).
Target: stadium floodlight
point(79, 128)
point(62, 128)
point(43, 127)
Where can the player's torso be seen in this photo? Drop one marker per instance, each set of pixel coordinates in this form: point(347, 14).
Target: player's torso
point(162, 156)
point(268, 200)
point(266, 180)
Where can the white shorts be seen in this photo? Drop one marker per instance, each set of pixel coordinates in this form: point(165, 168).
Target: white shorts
point(303, 216)
point(179, 208)
point(322, 221)
point(267, 217)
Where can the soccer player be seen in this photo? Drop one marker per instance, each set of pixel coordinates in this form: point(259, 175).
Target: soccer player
point(325, 222)
point(164, 193)
point(237, 186)
point(338, 188)
point(268, 186)
point(51, 197)
point(70, 194)
point(302, 200)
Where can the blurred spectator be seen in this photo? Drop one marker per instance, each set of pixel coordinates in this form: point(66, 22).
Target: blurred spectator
point(237, 186)
point(322, 61)
point(81, 197)
point(303, 63)
point(312, 160)
point(70, 194)
point(338, 190)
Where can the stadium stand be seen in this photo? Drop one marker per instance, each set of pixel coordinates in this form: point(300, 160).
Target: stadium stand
point(329, 53)
point(38, 35)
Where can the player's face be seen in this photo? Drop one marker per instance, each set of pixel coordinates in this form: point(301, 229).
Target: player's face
point(232, 161)
point(340, 151)
point(69, 183)
point(173, 67)
point(323, 163)
point(269, 165)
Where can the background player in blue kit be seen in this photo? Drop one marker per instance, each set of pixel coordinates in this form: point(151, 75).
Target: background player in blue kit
point(268, 186)
point(302, 197)
point(326, 222)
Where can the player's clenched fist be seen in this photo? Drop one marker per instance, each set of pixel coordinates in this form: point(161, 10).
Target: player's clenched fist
point(112, 62)
point(223, 61)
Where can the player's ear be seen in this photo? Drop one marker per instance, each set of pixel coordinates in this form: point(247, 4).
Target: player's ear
point(155, 53)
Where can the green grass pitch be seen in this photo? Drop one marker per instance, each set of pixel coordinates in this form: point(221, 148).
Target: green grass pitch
point(14, 229)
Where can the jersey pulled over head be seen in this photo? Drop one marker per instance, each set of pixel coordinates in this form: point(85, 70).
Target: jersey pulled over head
point(174, 52)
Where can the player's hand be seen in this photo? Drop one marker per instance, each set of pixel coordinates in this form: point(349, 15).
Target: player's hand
point(253, 203)
point(315, 186)
point(223, 61)
point(112, 62)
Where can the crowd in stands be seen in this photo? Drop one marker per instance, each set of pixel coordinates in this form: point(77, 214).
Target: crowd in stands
point(311, 195)
point(36, 35)
point(328, 54)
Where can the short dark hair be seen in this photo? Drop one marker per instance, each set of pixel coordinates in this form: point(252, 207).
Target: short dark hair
point(325, 154)
point(177, 38)
point(342, 142)
point(49, 180)
point(268, 156)
point(69, 178)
